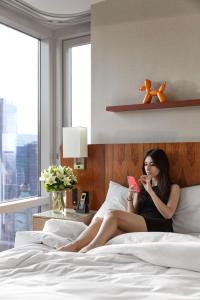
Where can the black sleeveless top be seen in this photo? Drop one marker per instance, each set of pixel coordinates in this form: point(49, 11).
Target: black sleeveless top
point(146, 208)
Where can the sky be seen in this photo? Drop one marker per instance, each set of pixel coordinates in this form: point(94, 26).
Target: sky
point(19, 76)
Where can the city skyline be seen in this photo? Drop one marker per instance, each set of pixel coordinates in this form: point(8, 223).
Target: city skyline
point(19, 173)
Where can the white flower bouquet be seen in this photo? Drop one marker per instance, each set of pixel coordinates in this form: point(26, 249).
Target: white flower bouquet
point(58, 178)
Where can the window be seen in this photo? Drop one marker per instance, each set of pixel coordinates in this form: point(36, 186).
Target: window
point(81, 87)
point(19, 163)
point(78, 81)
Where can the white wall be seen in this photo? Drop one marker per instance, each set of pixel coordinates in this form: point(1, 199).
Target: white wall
point(137, 39)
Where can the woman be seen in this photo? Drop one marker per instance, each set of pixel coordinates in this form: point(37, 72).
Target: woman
point(149, 210)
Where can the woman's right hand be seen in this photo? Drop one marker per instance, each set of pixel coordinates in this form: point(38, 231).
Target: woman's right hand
point(146, 182)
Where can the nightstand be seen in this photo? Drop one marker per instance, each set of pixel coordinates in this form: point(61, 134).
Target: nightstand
point(40, 218)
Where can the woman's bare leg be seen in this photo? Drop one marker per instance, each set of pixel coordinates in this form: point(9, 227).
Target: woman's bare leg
point(84, 238)
point(112, 223)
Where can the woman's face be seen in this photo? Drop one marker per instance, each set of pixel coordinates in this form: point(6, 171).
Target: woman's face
point(150, 168)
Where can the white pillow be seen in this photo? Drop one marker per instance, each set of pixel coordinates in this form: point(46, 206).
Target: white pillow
point(64, 228)
point(116, 199)
point(185, 220)
point(27, 237)
point(39, 237)
point(187, 215)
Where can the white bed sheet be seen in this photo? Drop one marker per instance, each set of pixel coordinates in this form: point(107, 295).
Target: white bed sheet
point(132, 266)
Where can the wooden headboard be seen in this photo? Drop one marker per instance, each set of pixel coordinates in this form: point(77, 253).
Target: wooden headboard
point(116, 161)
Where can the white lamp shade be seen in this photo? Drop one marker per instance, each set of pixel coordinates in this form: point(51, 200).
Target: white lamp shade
point(75, 142)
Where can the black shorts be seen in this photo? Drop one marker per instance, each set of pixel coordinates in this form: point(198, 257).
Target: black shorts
point(157, 224)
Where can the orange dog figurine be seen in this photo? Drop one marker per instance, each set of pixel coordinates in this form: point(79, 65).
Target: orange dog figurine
point(150, 93)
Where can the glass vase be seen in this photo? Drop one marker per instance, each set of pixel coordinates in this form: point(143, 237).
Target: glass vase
point(59, 201)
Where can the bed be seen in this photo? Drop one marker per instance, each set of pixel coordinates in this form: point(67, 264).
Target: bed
point(152, 265)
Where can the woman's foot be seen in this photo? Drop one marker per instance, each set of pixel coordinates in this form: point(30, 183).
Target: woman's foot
point(72, 247)
point(88, 248)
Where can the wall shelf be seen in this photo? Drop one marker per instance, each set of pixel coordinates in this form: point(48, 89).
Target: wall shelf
point(158, 105)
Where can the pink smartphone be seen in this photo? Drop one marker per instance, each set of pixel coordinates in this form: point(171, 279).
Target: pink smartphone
point(132, 182)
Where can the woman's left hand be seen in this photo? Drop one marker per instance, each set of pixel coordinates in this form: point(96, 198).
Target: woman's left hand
point(130, 193)
point(146, 182)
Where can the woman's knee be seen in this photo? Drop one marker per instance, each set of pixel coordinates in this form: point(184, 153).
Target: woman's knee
point(112, 214)
point(96, 221)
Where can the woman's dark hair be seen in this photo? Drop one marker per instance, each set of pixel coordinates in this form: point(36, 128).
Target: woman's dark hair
point(161, 161)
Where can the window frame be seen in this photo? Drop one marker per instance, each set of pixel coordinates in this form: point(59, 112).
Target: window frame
point(44, 122)
point(52, 84)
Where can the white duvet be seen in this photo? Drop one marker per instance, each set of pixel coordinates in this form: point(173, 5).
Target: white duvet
point(132, 266)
